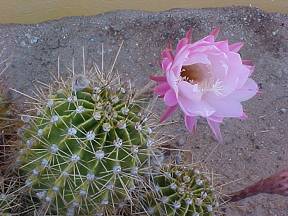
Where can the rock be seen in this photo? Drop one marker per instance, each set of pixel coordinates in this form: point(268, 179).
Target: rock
point(283, 110)
point(145, 35)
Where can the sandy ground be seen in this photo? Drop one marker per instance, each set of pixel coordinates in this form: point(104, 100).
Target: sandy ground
point(253, 148)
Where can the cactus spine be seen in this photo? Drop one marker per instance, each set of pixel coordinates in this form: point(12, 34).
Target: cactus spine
point(87, 148)
point(179, 190)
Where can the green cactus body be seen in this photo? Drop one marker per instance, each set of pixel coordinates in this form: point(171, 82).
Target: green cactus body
point(180, 191)
point(85, 150)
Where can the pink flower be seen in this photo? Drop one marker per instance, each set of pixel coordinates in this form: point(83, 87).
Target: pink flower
point(207, 79)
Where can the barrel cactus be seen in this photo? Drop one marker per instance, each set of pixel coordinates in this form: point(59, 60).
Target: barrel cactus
point(182, 191)
point(86, 148)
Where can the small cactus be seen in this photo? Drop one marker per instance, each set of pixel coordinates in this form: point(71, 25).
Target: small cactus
point(86, 149)
point(181, 191)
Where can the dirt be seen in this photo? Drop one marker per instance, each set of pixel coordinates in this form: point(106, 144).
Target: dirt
point(252, 149)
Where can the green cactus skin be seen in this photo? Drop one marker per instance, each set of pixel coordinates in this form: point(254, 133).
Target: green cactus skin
point(86, 149)
point(180, 191)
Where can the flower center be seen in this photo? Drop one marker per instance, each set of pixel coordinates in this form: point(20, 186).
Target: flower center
point(201, 75)
point(194, 73)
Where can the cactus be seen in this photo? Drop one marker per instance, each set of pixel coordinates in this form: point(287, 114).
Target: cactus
point(8, 126)
point(9, 194)
point(6, 197)
point(182, 191)
point(85, 150)
point(13, 197)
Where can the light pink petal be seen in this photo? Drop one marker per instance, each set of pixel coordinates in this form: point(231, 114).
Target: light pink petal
point(244, 116)
point(219, 66)
point(250, 68)
point(249, 64)
point(158, 79)
point(209, 38)
point(215, 32)
point(170, 98)
point(236, 75)
point(167, 112)
point(203, 42)
point(236, 46)
point(236, 67)
point(248, 90)
point(180, 58)
point(166, 64)
point(192, 108)
point(222, 45)
point(197, 58)
point(225, 107)
point(208, 49)
point(215, 127)
point(162, 89)
point(190, 123)
point(189, 91)
point(172, 80)
point(184, 41)
point(216, 118)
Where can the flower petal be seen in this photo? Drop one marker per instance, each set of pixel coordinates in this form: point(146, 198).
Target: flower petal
point(170, 98)
point(192, 108)
point(236, 46)
point(158, 79)
point(216, 118)
point(215, 32)
point(189, 35)
point(180, 58)
point(248, 90)
point(166, 64)
point(184, 41)
point(191, 92)
point(172, 81)
point(197, 58)
point(225, 107)
point(247, 62)
point(244, 116)
point(222, 45)
point(237, 70)
point(215, 127)
point(167, 112)
point(230, 71)
point(162, 89)
point(190, 123)
point(167, 53)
